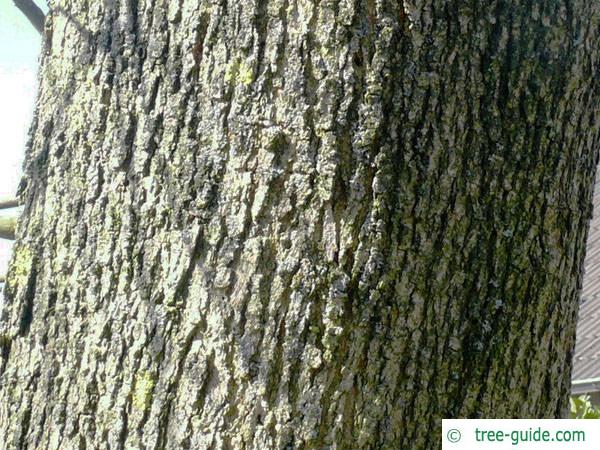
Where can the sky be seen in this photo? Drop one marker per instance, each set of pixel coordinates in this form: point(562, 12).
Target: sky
point(19, 50)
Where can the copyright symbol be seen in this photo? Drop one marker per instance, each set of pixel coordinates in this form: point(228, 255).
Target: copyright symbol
point(453, 435)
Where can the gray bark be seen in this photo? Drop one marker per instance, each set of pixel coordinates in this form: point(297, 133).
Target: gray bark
point(299, 225)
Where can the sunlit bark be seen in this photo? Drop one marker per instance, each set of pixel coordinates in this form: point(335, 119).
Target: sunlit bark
point(299, 225)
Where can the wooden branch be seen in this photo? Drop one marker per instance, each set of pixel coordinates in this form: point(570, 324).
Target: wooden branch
point(7, 227)
point(32, 12)
point(2, 279)
point(9, 202)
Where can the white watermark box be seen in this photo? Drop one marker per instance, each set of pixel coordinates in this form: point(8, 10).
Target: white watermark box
point(520, 434)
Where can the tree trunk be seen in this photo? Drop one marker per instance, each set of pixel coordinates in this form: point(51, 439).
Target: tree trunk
point(299, 225)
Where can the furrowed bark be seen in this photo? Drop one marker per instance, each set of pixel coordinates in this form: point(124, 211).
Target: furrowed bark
point(299, 225)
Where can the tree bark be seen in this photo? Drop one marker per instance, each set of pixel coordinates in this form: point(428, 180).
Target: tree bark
point(299, 225)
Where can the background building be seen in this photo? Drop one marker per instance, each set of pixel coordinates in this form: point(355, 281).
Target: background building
point(586, 364)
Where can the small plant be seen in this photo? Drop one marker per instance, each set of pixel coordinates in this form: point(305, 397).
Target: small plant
point(582, 408)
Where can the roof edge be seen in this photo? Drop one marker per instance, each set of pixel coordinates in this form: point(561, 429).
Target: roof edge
point(586, 385)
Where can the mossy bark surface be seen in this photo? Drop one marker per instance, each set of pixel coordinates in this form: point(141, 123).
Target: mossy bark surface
point(291, 224)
